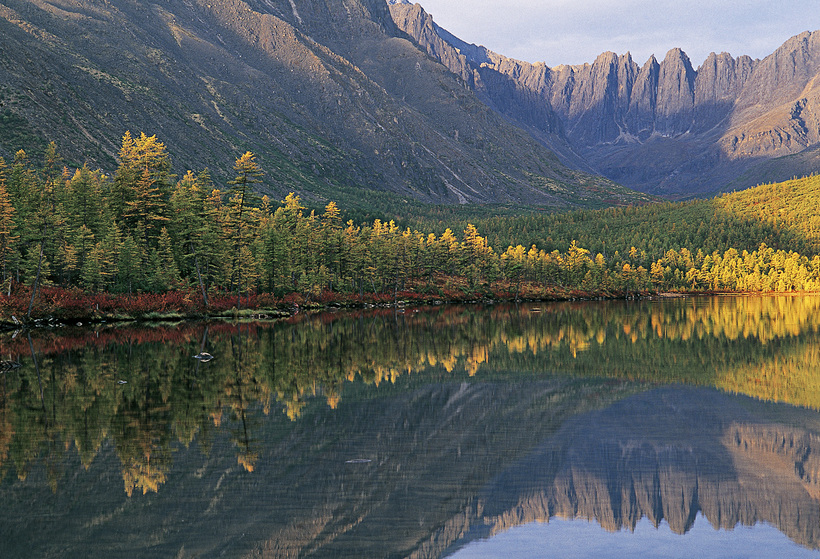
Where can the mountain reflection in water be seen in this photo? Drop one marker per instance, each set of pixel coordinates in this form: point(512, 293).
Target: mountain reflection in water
point(410, 433)
point(666, 455)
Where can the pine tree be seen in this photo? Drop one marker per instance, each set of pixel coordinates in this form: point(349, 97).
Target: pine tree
point(130, 265)
point(331, 243)
point(91, 270)
point(168, 270)
point(83, 201)
point(68, 262)
point(46, 223)
point(145, 212)
point(187, 207)
point(111, 245)
point(83, 242)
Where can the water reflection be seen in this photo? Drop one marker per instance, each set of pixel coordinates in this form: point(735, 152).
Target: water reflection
point(579, 538)
point(667, 455)
point(410, 433)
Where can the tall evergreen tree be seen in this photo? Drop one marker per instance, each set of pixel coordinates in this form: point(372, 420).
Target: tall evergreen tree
point(141, 186)
point(130, 270)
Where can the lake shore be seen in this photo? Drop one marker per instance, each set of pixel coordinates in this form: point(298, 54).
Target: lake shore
point(55, 307)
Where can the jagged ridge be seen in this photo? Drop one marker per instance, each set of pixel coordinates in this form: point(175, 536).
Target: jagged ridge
point(663, 127)
point(619, 465)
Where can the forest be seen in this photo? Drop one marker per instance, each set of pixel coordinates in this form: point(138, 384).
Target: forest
point(144, 230)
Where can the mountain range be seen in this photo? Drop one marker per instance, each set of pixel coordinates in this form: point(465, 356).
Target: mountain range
point(370, 103)
point(336, 101)
point(663, 127)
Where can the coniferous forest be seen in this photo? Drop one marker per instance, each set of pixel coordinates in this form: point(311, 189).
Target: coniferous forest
point(79, 241)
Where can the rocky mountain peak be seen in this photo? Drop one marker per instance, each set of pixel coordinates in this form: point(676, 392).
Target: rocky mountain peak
point(718, 77)
point(665, 127)
point(782, 76)
point(643, 101)
point(676, 94)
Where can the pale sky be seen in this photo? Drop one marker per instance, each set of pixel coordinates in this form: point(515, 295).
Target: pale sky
point(577, 31)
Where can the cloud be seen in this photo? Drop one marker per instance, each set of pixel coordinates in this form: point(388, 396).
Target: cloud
point(574, 32)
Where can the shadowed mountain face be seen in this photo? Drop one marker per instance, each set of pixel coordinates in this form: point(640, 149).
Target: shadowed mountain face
point(332, 97)
point(664, 127)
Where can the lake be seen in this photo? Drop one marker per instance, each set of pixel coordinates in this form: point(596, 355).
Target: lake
point(671, 427)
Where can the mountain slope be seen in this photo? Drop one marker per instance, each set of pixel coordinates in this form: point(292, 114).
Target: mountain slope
point(329, 117)
point(663, 127)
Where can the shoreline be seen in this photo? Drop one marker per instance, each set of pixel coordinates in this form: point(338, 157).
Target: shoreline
point(122, 309)
point(52, 314)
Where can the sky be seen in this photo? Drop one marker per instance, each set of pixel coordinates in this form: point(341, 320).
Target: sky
point(577, 31)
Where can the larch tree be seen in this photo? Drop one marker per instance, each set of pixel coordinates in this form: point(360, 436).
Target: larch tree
point(248, 173)
point(331, 243)
point(8, 238)
point(129, 265)
point(190, 224)
point(47, 221)
point(141, 186)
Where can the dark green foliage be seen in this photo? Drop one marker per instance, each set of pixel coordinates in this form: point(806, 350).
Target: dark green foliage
point(143, 230)
point(783, 215)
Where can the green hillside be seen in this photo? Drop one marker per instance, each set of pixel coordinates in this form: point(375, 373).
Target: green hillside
point(783, 216)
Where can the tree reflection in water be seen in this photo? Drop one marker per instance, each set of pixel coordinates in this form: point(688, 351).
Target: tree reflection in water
point(515, 392)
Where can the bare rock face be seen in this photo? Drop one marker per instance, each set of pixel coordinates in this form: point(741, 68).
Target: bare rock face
point(720, 80)
point(778, 112)
point(676, 94)
point(663, 127)
point(594, 99)
point(644, 100)
point(512, 88)
point(419, 24)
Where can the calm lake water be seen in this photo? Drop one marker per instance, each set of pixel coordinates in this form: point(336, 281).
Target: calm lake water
point(664, 428)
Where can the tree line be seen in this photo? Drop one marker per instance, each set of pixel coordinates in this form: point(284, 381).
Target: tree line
point(144, 229)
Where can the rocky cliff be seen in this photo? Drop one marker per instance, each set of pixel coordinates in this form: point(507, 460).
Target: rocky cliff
point(663, 127)
point(512, 88)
